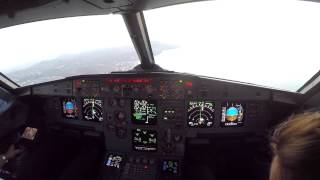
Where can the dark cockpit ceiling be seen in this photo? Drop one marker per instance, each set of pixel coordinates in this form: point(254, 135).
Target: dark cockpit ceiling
point(14, 12)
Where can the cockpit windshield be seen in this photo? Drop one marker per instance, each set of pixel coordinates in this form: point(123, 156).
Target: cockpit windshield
point(270, 43)
point(54, 49)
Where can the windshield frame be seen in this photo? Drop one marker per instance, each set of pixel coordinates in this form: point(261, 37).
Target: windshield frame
point(310, 84)
point(10, 84)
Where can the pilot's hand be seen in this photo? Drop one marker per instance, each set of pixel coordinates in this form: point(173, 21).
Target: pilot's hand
point(12, 152)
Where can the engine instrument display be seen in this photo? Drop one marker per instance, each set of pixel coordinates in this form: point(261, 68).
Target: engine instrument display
point(69, 108)
point(201, 114)
point(232, 114)
point(144, 112)
point(92, 109)
point(144, 140)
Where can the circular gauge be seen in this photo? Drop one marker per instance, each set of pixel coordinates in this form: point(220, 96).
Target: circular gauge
point(92, 109)
point(200, 114)
point(232, 114)
point(69, 107)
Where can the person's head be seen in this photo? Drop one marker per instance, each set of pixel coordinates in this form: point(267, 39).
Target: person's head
point(296, 148)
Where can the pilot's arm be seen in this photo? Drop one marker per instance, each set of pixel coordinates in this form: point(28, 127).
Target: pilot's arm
point(10, 154)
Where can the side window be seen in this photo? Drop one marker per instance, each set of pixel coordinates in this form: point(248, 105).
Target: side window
point(6, 100)
point(4, 105)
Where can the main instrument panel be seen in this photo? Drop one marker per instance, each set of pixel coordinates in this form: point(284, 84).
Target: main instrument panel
point(148, 120)
point(155, 113)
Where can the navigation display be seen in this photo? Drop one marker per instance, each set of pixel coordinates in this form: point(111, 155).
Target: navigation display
point(69, 108)
point(200, 114)
point(170, 167)
point(144, 140)
point(92, 109)
point(144, 112)
point(233, 114)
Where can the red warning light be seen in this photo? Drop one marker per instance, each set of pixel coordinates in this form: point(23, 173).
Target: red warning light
point(188, 84)
point(77, 83)
point(129, 80)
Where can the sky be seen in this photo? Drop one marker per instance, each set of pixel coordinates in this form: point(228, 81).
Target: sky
point(267, 42)
point(26, 44)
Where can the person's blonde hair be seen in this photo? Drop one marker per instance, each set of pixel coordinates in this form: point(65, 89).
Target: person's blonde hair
point(296, 145)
